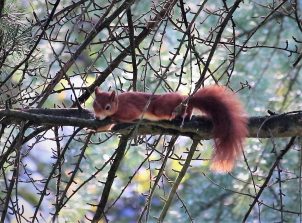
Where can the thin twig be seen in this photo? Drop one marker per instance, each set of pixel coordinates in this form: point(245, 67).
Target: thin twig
point(267, 179)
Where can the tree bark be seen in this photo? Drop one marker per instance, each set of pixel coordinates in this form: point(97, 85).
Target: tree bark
point(283, 125)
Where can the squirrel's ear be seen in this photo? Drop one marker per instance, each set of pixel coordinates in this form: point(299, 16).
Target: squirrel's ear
point(112, 96)
point(97, 90)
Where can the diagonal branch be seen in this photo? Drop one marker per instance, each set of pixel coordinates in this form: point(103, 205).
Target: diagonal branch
point(110, 178)
point(178, 181)
point(102, 24)
point(143, 34)
point(44, 28)
point(267, 179)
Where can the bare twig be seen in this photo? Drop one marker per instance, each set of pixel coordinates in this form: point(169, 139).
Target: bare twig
point(267, 179)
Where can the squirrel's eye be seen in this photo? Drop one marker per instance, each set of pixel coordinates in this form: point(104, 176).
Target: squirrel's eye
point(107, 107)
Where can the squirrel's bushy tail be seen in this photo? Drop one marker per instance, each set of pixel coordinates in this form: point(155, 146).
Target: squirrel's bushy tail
point(229, 123)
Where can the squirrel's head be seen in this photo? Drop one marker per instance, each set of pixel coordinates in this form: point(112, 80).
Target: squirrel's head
point(105, 104)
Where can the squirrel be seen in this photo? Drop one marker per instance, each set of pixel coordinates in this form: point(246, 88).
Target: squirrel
point(216, 102)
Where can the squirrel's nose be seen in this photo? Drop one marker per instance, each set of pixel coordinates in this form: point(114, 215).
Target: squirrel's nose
point(100, 117)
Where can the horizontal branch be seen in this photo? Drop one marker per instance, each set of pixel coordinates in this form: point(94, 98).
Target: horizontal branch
point(284, 125)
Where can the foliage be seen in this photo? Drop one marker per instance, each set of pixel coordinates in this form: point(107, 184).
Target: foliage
point(53, 54)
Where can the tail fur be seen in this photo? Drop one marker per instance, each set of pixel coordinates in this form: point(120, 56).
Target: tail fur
point(229, 124)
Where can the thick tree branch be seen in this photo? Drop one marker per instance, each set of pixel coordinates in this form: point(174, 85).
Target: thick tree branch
point(110, 178)
point(284, 125)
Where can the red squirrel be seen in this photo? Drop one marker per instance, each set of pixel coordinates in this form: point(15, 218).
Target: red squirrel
point(216, 102)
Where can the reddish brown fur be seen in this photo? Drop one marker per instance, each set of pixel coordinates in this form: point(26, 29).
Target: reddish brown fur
point(229, 124)
point(132, 105)
point(221, 105)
